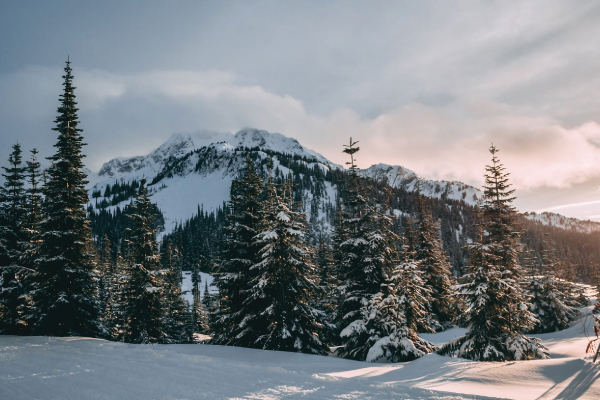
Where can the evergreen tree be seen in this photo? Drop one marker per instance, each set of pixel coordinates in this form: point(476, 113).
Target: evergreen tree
point(199, 315)
point(327, 295)
point(547, 300)
point(377, 313)
point(364, 255)
point(284, 281)
point(113, 317)
point(437, 271)
point(177, 313)
point(503, 232)
point(12, 245)
point(105, 273)
point(497, 313)
point(64, 298)
point(145, 304)
point(239, 253)
point(388, 325)
point(33, 218)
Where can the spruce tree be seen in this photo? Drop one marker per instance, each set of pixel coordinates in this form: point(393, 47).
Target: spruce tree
point(64, 298)
point(31, 231)
point(371, 316)
point(209, 304)
point(144, 305)
point(279, 307)
point(437, 271)
point(238, 254)
point(360, 275)
point(33, 215)
point(177, 310)
point(497, 312)
point(547, 299)
point(113, 317)
point(393, 316)
point(12, 245)
point(503, 232)
point(199, 315)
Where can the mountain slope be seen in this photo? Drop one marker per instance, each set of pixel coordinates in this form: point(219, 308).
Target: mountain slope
point(398, 176)
point(191, 170)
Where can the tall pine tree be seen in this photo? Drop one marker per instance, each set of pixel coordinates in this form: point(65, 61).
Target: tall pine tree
point(497, 312)
point(144, 304)
point(284, 283)
point(437, 271)
point(360, 275)
point(12, 245)
point(64, 299)
point(238, 254)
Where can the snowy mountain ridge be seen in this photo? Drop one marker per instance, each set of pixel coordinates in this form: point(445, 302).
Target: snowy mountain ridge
point(562, 222)
point(398, 176)
point(196, 169)
point(179, 144)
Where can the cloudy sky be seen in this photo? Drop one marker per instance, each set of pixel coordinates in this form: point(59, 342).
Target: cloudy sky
point(424, 84)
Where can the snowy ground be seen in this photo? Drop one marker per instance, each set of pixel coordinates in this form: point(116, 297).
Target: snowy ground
point(83, 368)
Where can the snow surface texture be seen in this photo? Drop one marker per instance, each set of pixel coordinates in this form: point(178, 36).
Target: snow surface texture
point(84, 368)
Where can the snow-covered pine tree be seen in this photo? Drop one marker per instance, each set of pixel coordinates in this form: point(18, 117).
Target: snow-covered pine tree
point(12, 245)
point(144, 305)
point(177, 310)
point(437, 270)
point(483, 288)
point(105, 272)
point(546, 303)
point(238, 254)
point(113, 317)
point(360, 275)
point(371, 319)
point(64, 298)
point(327, 281)
point(199, 315)
point(394, 315)
point(503, 231)
point(31, 234)
point(497, 312)
point(33, 209)
point(284, 281)
point(547, 299)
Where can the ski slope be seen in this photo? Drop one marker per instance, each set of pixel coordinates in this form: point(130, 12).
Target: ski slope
point(84, 368)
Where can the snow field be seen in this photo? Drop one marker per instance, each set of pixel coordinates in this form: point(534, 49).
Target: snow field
point(84, 368)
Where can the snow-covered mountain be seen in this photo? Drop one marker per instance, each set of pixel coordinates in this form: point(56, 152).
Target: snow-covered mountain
point(398, 176)
point(196, 169)
point(562, 222)
point(179, 144)
point(192, 170)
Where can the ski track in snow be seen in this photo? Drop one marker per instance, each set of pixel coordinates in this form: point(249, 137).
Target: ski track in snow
point(85, 368)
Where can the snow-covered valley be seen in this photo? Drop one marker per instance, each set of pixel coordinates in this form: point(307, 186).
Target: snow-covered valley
point(85, 368)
